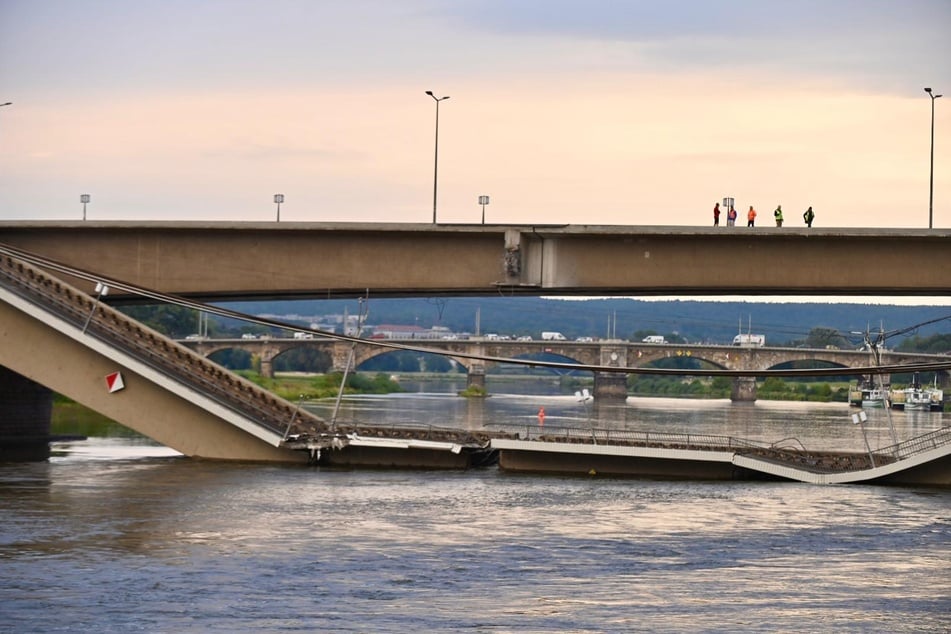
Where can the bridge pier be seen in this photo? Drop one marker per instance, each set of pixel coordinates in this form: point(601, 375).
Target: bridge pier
point(267, 367)
point(610, 386)
point(744, 389)
point(26, 407)
point(476, 376)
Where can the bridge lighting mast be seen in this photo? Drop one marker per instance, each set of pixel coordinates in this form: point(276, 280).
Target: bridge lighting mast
point(483, 200)
point(436, 153)
point(931, 181)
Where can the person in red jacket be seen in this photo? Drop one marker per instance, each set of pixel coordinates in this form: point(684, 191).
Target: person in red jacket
point(716, 215)
point(751, 217)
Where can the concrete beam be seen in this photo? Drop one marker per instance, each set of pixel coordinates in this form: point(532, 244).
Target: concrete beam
point(222, 260)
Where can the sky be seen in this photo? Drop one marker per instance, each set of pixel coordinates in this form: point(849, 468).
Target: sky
point(593, 112)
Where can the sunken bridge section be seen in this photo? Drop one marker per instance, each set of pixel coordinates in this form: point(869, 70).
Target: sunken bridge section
point(54, 337)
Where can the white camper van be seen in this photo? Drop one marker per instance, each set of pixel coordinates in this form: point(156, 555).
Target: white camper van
point(749, 341)
point(653, 339)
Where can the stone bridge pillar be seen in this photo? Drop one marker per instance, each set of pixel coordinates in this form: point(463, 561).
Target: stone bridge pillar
point(476, 376)
point(611, 386)
point(267, 355)
point(744, 389)
point(25, 423)
point(341, 355)
point(267, 367)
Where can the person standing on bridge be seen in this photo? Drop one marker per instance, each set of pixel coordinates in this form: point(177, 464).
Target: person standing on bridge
point(751, 217)
point(731, 217)
point(716, 215)
point(778, 215)
point(809, 216)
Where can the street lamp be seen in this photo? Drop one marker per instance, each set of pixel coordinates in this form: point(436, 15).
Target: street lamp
point(931, 183)
point(483, 200)
point(436, 156)
point(278, 199)
point(84, 199)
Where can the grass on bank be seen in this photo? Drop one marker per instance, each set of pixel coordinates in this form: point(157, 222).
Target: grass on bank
point(317, 386)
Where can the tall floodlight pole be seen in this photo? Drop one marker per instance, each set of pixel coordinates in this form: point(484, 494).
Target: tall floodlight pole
point(931, 181)
point(436, 153)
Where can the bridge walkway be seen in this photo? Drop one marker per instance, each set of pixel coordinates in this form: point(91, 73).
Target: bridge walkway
point(100, 325)
point(925, 459)
point(297, 433)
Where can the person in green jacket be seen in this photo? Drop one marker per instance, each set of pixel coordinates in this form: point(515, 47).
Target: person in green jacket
point(778, 215)
point(808, 216)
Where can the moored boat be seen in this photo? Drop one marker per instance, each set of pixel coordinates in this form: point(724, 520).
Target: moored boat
point(916, 398)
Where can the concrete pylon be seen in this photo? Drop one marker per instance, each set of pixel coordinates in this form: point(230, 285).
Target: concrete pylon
point(26, 408)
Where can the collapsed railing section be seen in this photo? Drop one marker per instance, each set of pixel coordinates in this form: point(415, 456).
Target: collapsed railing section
point(105, 324)
point(920, 444)
point(814, 461)
point(625, 437)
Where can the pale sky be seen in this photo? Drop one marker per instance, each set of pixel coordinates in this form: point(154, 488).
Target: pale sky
point(585, 112)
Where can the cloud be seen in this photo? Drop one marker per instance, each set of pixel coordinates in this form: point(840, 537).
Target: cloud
point(871, 43)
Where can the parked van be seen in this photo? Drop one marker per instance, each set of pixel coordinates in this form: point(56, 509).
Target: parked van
point(750, 341)
point(653, 339)
point(553, 336)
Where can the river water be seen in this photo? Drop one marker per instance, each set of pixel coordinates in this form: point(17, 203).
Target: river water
point(119, 535)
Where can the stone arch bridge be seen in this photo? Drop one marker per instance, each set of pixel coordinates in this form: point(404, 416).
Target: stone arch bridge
point(622, 354)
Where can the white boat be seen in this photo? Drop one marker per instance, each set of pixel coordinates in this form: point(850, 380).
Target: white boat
point(916, 398)
point(874, 396)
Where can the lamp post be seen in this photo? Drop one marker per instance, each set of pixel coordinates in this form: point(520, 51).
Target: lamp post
point(436, 153)
point(278, 199)
point(483, 200)
point(931, 181)
point(84, 199)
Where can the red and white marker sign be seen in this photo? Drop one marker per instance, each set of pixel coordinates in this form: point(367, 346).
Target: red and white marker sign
point(114, 382)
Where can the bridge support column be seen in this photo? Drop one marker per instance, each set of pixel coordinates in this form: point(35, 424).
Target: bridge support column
point(476, 376)
point(25, 409)
point(267, 367)
point(340, 355)
point(744, 389)
point(610, 386)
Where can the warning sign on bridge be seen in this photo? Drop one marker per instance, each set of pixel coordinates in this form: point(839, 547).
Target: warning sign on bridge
point(114, 382)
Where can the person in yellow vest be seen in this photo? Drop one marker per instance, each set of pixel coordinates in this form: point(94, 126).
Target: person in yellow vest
point(778, 215)
point(751, 217)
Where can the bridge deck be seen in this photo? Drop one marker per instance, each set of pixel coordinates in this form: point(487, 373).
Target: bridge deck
point(618, 452)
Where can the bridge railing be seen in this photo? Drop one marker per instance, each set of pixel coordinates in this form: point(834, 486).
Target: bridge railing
point(625, 437)
point(108, 325)
point(919, 444)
